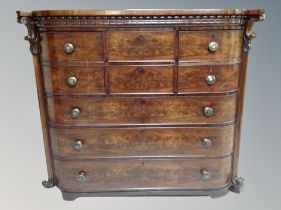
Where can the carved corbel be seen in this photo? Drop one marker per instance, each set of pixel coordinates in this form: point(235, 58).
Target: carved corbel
point(32, 36)
point(249, 34)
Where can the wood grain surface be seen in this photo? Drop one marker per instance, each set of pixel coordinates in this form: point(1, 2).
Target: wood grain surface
point(140, 79)
point(140, 45)
point(249, 12)
point(87, 46)
point(193, 45)
point(149, 110)
point(115, 174)
point(142, 142)
point(193, 78)
point(89, 79)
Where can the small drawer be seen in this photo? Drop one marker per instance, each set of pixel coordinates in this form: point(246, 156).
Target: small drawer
point(63, 79)
point(210, 45)
point(141, 79)
point(72, 46)
point(201, 142)
point(82, 110)
point(140, 45)
point(207, 79)
point(119, 174)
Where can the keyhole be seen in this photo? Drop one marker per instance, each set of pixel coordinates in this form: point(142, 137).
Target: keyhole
point(141, 38)
point(141, 70)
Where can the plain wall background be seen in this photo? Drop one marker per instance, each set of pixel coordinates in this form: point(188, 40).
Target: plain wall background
point(22, 159)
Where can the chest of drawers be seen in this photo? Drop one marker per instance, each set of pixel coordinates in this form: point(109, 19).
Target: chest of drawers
point(141, 102)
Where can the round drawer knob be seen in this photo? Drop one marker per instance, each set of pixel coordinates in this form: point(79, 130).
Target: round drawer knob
point(72, 81)
point(68, 48)
point(75, 113)
point(205, 175)
point(82, 176)
point(206, 143)
point(213, 46)
point(210, 79)
point(78, 144)
point(208, 111)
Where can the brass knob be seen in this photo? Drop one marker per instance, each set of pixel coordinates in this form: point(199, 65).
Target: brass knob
point(208, 111)
point(68, 48)
point(75, 113)
point(206, 143)
point(72, 81)
point(210, 79)
point(82, 176)
point(213, 46)
point(205, 175)
point(78, 144)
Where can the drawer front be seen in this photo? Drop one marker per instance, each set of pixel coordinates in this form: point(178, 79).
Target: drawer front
point(62, 79)
point(194, 45)
point(207, 79)
point(140, 79)
point(140, 45)
point(88, 176)
point(128, 110)
point(87, 46)
point(141, 142)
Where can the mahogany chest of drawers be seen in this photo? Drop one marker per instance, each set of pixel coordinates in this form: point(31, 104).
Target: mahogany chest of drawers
point(141, 102)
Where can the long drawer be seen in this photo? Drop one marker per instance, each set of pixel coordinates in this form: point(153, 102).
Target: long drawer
point(76, 143)
point(118, 175)
point(83, 110)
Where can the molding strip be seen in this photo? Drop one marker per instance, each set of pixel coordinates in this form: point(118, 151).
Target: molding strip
point(43, 21)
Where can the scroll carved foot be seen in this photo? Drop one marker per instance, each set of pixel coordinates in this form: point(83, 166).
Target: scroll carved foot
point(48, 184)
point(237, 184)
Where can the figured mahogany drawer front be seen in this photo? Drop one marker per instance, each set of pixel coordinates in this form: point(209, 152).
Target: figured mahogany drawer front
point(207, 79)
point(128, 110)
point(210, 45)
point(72, 46)
point(71, 79)
point(140, 45)
point(140, 79)
point(114, 174)
point(142, 142)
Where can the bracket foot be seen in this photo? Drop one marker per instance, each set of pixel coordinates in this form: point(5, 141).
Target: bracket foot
point(219, 193)
point(69, 196)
